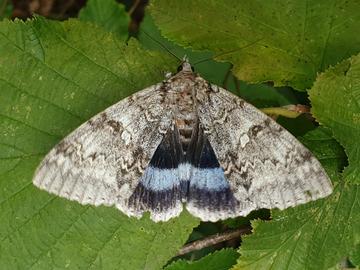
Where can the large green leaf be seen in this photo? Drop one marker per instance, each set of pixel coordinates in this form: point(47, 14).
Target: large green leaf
point(287, 42)
point(108, 14)
point(335, 98)
point(260, 94)
point(54, 76)
point(312, 236)
point(151, 38)
point(219, 260)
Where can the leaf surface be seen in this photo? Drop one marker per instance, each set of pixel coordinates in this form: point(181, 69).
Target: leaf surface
point(218, 73)
point(335, 99)
point(108, 14)
point(53, 77)
point(355, 256)
point(285, 42)
point(219, 260)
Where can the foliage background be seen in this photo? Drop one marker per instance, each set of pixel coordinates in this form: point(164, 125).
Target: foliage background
point(55, 75)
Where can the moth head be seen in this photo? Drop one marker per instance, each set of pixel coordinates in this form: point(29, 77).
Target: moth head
point(185, 66)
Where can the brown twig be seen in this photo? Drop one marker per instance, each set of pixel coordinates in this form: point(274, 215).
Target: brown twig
point(213, 240)
point(134, 6)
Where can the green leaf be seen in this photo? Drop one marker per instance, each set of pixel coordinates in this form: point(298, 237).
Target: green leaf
point(355, 256)
point(53, 77)
point(108, 14)
point(285, 42)
point(311, 236)
point(150, 38)
point(5, 9)
point(260, 95)
point(219, 260)
point(335, 103)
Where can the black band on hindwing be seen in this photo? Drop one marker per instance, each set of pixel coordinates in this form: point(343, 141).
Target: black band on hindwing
point(169, 153)
point(200, 153)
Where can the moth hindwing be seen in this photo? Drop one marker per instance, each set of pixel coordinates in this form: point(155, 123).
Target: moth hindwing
point(183, 141)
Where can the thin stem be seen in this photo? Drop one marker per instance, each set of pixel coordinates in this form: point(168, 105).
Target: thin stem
point(213, 240)
point(228, 52)
point(289, 111)
point(134, 6)
point(161, 45)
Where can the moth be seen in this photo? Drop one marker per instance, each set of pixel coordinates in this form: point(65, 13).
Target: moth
point(183, 142)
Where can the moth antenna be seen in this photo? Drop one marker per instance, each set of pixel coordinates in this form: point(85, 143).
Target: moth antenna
point(224, 53)
point(162, 45)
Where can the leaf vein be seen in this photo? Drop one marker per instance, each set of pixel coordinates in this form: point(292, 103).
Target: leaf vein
point(30, 218)
point(91, 60)
point(42, 254)
point(56, 72)
point(19, 90)
point(32, 127)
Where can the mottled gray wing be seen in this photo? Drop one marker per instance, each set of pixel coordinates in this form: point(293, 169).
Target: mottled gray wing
point(102, 161)
point(265, 165)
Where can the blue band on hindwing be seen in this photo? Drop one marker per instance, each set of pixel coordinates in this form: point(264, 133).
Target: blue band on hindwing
point(174, 176)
